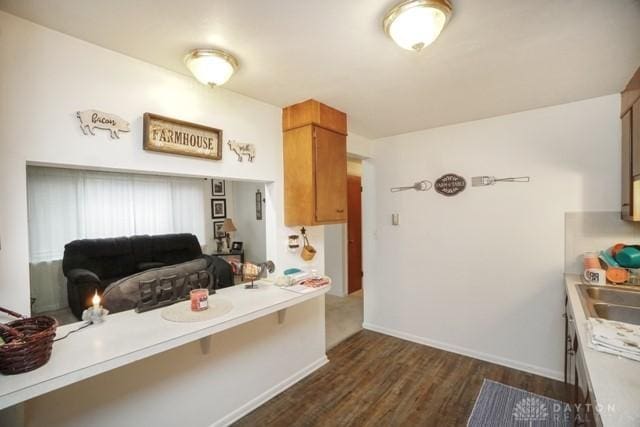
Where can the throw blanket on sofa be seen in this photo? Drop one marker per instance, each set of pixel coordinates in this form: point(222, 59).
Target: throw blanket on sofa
point(125, 293)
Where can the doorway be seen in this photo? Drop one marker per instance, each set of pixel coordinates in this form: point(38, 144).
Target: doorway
point(344, 302)
point(354, 233)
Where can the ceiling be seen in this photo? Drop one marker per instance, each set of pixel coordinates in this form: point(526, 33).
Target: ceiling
point(494, 57)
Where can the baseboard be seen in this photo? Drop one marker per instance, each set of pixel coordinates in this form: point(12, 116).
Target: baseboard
point(509, 363)
point(270, 393)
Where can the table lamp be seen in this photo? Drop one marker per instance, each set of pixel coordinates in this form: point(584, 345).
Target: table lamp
point(228, 227)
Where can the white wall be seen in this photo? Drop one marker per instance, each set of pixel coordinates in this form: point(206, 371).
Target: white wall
point(481, 273)
point(336, 259)
point(241, 208)
point(250, 230)
point(46, 78)
point(359, 146)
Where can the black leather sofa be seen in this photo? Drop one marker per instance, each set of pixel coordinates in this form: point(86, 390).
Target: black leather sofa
point(93, 264)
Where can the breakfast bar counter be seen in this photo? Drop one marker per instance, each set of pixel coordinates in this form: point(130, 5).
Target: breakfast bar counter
point(128, 336)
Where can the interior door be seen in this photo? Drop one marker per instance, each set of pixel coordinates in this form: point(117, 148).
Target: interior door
point(331, 175)
point(354, 232)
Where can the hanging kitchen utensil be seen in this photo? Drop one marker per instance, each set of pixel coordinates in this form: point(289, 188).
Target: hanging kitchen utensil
point(418, 186)
point(482, 181)
point(308, 251)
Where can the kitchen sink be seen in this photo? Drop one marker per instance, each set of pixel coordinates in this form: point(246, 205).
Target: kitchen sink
point(626, 297)
point(619, 313)
point(611, 303)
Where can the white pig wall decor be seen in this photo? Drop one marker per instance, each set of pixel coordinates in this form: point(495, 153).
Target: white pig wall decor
point(91, 119)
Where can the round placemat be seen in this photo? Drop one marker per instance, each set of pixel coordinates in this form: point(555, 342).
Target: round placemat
point(181, 312)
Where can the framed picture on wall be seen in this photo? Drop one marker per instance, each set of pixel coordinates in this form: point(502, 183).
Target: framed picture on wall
point(218, 208)
point(258, 205)
point(217, 187)
point(217, 230)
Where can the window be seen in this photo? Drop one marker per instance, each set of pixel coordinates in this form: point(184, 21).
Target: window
point(66, 204)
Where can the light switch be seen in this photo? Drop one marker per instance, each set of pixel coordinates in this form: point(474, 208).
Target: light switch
point(395, 219)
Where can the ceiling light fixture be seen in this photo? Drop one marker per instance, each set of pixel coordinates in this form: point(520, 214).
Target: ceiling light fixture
point(211, 67)
point(415, 24)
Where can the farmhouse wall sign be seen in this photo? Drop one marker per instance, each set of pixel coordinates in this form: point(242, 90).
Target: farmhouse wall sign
point(450, 184)
point(173, 136)
point(91, 119)
point(241, 149)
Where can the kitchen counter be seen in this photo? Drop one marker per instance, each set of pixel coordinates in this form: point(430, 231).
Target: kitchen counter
point(615, 381)
point(128, 336)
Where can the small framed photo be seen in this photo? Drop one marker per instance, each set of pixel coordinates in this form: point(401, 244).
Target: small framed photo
point(218, 208)
point(236, 246)
point(258, 205)
point(217, 187)
point(217, 230)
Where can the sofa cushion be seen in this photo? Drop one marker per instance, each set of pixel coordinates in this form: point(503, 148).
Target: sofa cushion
point(141, 246)
point(125, 293)
point(175, 248)
point(105, 257)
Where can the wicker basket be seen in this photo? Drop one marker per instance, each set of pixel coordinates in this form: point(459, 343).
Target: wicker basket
point(28, 342)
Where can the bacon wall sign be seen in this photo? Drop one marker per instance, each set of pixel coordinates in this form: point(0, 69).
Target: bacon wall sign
point(450, 184)
point(92, 119)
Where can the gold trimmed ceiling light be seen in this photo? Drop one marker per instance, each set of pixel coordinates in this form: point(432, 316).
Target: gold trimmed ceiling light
point(211, 67)
point(415, 24)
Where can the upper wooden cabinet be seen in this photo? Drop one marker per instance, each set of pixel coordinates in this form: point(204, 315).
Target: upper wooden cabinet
point(630, 167)
point(312, 112)
point(315, 164)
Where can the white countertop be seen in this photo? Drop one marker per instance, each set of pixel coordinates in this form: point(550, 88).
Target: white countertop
point(129, 336)
point(614, 380)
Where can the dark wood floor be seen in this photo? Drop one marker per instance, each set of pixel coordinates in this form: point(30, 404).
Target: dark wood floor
point(377, 380)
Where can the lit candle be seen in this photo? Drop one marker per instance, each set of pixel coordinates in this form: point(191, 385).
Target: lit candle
point(96, 301)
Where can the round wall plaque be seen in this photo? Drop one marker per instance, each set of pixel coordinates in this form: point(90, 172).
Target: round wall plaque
point(450, 184)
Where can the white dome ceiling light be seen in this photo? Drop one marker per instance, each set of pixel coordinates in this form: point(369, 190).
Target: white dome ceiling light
point(415, 24)
point(211, 67)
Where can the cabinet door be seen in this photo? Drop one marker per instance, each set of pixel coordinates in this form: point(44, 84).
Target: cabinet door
point(331, 175)
point(626, 167)
point(299, 198)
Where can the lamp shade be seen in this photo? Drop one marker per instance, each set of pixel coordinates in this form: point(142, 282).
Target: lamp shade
point(228, 226)
point(211, 66)
point(415, 24)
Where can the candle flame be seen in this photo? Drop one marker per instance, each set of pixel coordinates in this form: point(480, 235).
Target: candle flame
point(96, 299)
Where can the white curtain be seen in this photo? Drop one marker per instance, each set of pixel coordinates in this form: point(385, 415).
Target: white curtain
point(66, 205)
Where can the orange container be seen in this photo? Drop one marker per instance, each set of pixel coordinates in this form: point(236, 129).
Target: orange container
point(590, 260)
point(199, 299)
point(617, 275)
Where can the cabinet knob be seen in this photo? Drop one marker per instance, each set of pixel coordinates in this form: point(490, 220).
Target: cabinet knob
point(339, 210)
